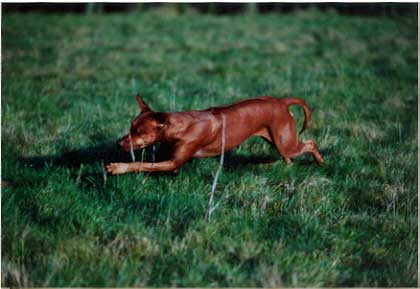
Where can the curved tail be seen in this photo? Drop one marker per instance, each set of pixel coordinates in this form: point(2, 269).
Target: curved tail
point(298, 101)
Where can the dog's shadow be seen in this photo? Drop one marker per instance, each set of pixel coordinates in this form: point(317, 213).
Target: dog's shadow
point(105, 153)
point(236, 161)
point(108, 153)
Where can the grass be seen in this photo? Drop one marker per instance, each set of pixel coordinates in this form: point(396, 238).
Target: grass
point(68, 86)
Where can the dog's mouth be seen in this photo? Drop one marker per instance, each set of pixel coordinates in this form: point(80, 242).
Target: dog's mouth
point(129, 144)
point(132, 148)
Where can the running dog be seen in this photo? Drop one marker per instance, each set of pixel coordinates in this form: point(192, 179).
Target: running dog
point(206, 133)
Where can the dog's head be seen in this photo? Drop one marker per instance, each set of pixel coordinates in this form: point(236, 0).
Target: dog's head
point(146, 129)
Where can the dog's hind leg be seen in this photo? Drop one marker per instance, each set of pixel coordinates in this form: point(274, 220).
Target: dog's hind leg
point(306, 146)
point(288, 145)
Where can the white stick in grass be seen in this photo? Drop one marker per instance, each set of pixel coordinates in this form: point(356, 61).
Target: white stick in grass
point(133, 157)
point(103, 172)
point(210, 207)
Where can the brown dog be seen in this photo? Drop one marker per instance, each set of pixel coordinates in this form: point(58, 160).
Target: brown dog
point(199, 133)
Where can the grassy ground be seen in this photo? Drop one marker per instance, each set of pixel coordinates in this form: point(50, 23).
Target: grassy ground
point(68, 85)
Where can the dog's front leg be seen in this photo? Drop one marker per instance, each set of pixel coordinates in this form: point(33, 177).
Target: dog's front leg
point(182, 153)
point(122, 168)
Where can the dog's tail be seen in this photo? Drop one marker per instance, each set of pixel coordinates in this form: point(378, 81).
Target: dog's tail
point(298, 101)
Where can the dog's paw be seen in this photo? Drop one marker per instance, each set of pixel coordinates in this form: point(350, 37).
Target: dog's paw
point(117, 168)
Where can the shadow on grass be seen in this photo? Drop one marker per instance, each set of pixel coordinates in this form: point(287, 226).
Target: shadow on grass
point(108, 153)
point(75, 158)
point(236, 161)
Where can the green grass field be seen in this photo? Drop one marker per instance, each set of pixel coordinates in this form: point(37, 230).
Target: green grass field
point(68, 87)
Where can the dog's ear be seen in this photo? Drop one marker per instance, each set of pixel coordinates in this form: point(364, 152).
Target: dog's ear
point(143, 106)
